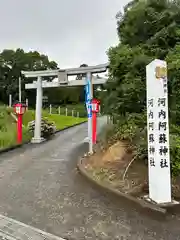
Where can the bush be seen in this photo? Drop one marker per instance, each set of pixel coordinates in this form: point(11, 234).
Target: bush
point(175, 154)
point(132, 129)
point(175, 149)
point(47, 128)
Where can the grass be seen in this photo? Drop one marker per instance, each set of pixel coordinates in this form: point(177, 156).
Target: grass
point(7, 128)
point(59, 120)
point(77, 109)
point(8, 125)
point(64, 121)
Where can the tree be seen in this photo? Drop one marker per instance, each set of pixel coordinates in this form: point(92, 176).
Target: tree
point(144, 20)
point(12, 63)
point(147, 29)
point(173, 59)
point(65, 95)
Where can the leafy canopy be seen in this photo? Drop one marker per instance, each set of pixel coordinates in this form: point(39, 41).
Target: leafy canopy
point(147, 29)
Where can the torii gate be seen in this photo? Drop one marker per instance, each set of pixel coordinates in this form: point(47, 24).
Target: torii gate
point(62, 82)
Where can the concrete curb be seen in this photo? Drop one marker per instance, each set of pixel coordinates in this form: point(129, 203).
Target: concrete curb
point(8, 149)
point(108, 188)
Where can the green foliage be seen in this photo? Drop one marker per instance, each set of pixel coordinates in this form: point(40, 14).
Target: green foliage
point(53, 122)
point(59, 120)
point(77, 108)
point(64, 96)
point(147, 29)
point(151, 22)
point(8, 135)
point(175, 154)
point(62, 121)
point(175, 149)
point(12, 63)
point(126, 84)
point(131, 129)
point(173, 59)
point(7, 129)
point(47, 128)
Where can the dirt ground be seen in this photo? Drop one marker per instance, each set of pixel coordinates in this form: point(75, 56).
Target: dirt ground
point(110, 166)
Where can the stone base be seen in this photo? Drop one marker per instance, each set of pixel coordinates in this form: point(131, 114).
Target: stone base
point(168, 204)
point(37, 140)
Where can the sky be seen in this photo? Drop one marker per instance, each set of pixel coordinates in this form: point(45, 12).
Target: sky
point(70, 32)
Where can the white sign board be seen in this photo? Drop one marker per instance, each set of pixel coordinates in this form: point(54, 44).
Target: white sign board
point(158, 132)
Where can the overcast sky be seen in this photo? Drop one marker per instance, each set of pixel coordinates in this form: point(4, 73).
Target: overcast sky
point(70, 32)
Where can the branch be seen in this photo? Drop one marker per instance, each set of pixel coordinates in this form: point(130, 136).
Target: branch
point(126, 170)
point(15, 118)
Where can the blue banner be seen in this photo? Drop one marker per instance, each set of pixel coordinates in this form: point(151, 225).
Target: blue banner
point(87, 91)
point(89, 110)
point(88, 97)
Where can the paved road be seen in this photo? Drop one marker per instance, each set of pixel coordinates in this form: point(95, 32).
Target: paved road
point(42, 188)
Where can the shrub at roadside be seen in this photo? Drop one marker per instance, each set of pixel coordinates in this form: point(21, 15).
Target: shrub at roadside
point(47, 128)
point(132, 129)
point(175, 149)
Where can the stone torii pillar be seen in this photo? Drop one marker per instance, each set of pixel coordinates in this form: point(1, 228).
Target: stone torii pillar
point(39, 93)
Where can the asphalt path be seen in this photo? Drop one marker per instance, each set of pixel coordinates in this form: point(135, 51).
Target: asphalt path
point(41, 187)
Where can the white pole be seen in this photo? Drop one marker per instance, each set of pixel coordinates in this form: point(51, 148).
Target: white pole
point(20, 90)
point(37, 132)
point(50, 109)
point(59, 110)
point(89, 78)
point(77, 114)
point(72, 113)
point(27, 103)
point(66, 111)
point(10, 100)
point(99, 110)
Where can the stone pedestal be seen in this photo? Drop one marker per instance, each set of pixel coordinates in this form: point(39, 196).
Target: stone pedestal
point(37, 140)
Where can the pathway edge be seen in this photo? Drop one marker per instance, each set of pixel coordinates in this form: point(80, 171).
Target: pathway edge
point(8, 149)
point(108, 188)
